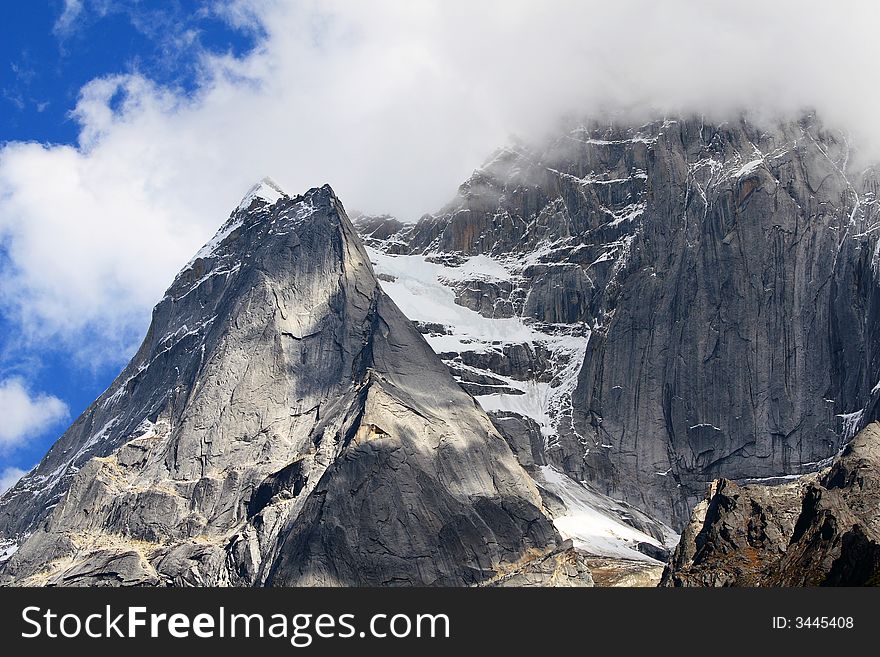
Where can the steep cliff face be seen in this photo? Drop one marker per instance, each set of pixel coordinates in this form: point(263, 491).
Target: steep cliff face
point(743, 335)
point(819, 530)
point(283, 423)
point(703, 298)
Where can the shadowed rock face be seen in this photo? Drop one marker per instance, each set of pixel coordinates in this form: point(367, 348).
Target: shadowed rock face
point(283, 423)
point(727, 275)
point(821, 530)
point(744, 329)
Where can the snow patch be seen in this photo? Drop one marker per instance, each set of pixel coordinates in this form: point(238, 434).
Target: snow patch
point(593, 180)
point(704, 424)
point(419, 292)
point(422, 292)
point(851, 423)
point(535, 403)
point(225, 231)
point(211, 274)
point(590, 522)
point(747, 168)
point(628, 213)
point(478, 267)
point(7, 549)
point(266, 190)
point(777, 479)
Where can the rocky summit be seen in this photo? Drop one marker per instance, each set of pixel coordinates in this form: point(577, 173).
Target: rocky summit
point(283, 423)
point(534, 386)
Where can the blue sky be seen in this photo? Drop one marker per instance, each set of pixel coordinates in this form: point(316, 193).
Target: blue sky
point(130, 128)
point(48, 56)
point(47, 62)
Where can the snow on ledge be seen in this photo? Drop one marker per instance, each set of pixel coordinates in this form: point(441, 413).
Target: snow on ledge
point(591, 524)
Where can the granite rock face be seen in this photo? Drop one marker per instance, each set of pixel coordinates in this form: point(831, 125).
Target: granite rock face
point(820, 530)
point(715, 286)
point(283, 423)
point(593, 330)
point(743, 334)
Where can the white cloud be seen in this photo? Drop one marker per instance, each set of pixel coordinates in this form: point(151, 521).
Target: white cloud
point(393, 103)
point(9, 477)
point(24, 415)
point(69, 16)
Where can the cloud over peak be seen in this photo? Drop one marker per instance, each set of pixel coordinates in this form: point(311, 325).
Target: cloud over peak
point(392, 102)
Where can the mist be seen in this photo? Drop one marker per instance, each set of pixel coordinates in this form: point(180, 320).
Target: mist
point(393, 103)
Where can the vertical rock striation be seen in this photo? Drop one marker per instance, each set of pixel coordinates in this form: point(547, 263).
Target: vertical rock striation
point(721, 279)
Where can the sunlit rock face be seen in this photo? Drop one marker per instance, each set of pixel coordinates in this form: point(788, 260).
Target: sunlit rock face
point(283, 423)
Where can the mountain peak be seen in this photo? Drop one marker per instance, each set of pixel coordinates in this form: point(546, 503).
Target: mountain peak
point(279, 404)
point(266, 189)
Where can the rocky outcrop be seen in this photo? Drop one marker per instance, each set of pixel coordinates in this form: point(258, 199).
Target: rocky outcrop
point(566, 567)
point(819, 530)
point(624, 573)
point(283, 423)
point(523, 435)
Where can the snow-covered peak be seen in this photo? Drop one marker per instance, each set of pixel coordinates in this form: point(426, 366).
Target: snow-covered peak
point(267, 190)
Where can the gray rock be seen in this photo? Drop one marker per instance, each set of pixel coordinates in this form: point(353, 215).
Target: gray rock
point(558, 294)
point(107, 568)
point(653, 551)
point(566, 567)
point(728, 275)
point(732, 346)
point(284, 424)
point(624, 573)
point(428, 328)
point(523, 435)
point(820, 530)
point(520, 361)
point(493, 299)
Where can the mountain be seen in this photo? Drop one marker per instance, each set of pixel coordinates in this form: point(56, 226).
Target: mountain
point(818, 530)
point(283, 423)
point(649, 307)
point(535, 385)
